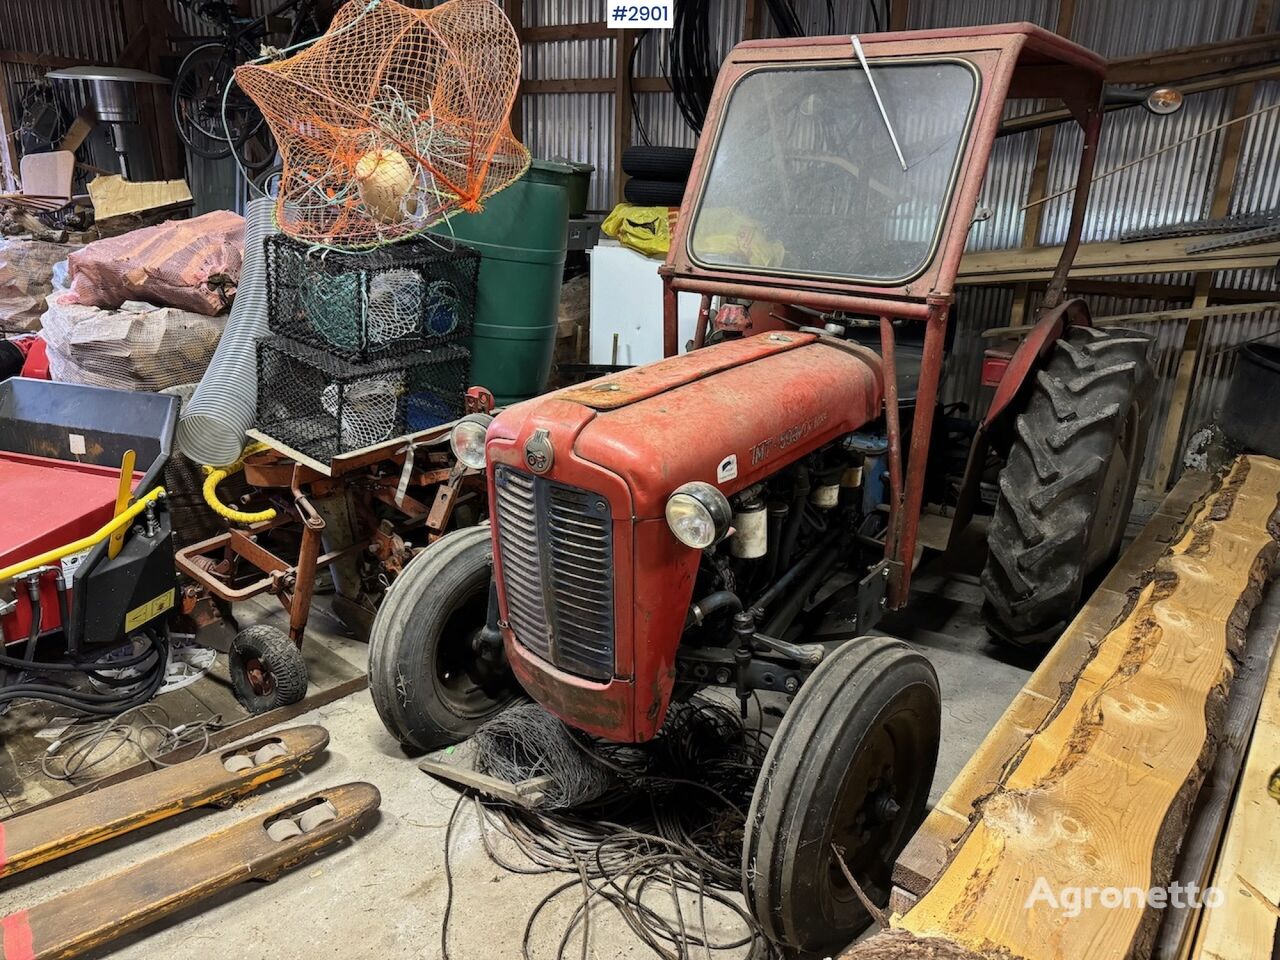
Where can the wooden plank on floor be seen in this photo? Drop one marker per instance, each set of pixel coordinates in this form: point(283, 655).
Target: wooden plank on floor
point(1101, 794)
point(921, 862)
point(1248, 870)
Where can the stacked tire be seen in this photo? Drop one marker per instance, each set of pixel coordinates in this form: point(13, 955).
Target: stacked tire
point(658, 175)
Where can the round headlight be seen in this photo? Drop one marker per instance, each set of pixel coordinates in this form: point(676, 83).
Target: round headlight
point(698, 514)
point(467, 440)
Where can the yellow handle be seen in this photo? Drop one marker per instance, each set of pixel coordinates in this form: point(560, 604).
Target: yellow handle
point(49, 556)
point(215, 475)
point(122, 501)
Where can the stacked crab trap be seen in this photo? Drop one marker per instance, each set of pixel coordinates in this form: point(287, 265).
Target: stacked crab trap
point(364, 347)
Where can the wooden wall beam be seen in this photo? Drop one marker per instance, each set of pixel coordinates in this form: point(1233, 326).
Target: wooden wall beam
point(1177, 64)
point(898, 14)
point(596, 30)
point(622, 108)
point(593, 85)
point(9, 154)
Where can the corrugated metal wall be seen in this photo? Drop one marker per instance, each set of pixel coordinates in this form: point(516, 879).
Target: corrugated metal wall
point(1176, 186)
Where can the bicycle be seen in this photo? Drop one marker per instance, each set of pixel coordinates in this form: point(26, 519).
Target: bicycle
point(200, 87)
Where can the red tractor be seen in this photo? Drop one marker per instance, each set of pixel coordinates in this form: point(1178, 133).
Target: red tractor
point(740, 515)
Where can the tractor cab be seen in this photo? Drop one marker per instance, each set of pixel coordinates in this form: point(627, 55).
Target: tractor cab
point(843, 173)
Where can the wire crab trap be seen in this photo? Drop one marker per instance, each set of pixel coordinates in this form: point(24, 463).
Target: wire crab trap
point(392, 120)
point(323, 406)
point(362, 306)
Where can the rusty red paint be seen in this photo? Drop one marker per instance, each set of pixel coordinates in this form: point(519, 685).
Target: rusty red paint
point(1032, 351)
point(678, 425)
point(671, 424)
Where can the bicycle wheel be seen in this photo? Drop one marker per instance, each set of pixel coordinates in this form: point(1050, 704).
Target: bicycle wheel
point(198, 101)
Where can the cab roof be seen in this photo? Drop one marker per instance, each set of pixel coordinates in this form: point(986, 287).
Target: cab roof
point(1012, 61)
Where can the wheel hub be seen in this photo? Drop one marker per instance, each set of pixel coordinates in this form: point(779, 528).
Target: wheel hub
point(259, 677)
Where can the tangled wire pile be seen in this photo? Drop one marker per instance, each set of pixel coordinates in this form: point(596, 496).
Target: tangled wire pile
point(637, 827)
point(147, 729)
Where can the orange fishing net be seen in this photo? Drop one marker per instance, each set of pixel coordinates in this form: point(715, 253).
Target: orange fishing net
point(392, 120)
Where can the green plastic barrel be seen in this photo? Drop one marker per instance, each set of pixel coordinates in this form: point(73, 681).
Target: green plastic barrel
point(522, 236)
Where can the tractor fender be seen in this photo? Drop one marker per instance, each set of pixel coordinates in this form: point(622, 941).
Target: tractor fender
point(1032, 352)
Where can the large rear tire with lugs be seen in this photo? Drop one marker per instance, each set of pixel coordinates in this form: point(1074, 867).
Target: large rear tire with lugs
point(1068, 485)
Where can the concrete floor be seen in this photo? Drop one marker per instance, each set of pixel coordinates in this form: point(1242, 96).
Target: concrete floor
point(382, 894)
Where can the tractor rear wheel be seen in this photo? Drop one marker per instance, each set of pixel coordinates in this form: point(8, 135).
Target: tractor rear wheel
point(432, 681)
point(1068, 485)
point(850, 767)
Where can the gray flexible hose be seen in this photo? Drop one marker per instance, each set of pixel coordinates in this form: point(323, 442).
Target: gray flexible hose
point(212, 423)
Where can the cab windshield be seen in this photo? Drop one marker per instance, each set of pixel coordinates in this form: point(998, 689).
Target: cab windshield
point(805, 179)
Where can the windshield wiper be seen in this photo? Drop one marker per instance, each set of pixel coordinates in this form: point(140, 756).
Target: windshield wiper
point(866, 68)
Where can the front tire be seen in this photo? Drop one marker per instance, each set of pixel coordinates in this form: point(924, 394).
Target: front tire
point(1068, 485)
point(851, 765)
point(431, 684)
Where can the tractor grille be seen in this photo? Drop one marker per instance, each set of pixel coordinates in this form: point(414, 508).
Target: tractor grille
point(556, 544)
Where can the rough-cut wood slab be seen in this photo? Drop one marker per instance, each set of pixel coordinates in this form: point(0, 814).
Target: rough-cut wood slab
point(1209, 818)
point(921, 862)
point(1248, 870)
point(1100, 795)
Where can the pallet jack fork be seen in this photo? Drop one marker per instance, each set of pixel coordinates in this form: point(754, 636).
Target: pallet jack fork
point(217, 779)
point(259, 847)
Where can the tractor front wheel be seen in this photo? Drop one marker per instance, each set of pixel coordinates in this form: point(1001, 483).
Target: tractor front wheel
point(433, 681)
point(1068, 485)
point(843, 786)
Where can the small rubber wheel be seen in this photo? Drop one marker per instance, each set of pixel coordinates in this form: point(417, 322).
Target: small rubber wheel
point(268, 753)
point(267, 669)
point(658, 163)
point(282, 830)
point(314, 816)
point(653, 193)
point(432, 681)
point(850, 766)
point(237, 763)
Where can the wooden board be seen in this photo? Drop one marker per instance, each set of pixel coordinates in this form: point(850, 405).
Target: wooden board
point(1248, 870)
point(921, 862)
point(1100, 794)
point(1106, 259)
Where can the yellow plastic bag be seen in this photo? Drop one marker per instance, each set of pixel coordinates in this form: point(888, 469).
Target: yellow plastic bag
point(732, 237)
point(647, 229)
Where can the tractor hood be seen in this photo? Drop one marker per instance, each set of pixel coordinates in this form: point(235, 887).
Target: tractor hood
point(729, 415)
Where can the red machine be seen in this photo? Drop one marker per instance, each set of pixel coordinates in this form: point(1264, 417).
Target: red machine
point(740, 516)
point(86, 554)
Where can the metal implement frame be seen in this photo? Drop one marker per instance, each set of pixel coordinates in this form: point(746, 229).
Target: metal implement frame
point(293, 584)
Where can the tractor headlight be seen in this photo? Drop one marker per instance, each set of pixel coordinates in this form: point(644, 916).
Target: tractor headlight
point(467, 439)
point(698, 514)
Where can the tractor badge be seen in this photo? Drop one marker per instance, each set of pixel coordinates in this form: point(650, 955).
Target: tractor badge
point(538, 452)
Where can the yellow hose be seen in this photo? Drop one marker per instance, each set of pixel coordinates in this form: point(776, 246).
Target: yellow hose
point(49, 556)
point(215, 475)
